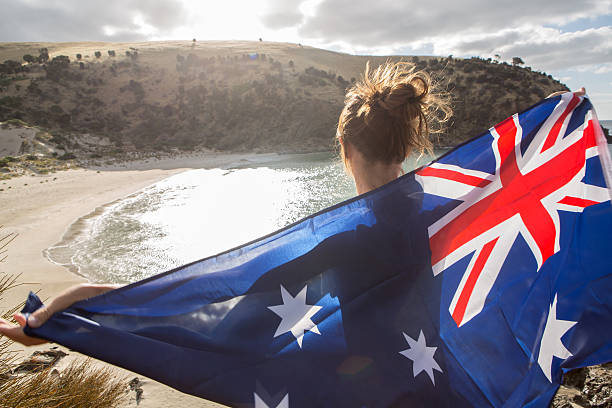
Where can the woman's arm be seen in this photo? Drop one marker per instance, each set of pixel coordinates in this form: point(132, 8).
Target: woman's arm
point(40, 316)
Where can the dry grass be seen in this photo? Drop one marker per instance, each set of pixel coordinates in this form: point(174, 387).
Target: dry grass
point(81, 384)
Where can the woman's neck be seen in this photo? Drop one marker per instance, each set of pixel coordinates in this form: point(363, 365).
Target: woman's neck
point(370, 176)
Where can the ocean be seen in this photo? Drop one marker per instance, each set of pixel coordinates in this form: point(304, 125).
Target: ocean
point(199, 213)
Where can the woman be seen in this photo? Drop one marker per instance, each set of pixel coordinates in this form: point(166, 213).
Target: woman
point(387, 116)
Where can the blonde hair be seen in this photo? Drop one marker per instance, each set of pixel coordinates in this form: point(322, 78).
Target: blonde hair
point(391, 112)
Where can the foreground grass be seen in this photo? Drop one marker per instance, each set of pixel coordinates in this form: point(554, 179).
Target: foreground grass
point(81, 384)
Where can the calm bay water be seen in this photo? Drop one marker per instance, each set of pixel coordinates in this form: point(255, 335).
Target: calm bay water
point(200, 213)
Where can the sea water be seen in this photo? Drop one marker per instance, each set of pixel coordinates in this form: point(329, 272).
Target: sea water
point(199, 213)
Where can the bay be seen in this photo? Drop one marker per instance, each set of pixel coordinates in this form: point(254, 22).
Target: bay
point(199, 213)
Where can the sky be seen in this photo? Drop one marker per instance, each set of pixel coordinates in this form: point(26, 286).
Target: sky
point(569, 39)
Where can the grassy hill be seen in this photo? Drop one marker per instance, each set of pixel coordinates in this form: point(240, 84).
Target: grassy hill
point(226, 95)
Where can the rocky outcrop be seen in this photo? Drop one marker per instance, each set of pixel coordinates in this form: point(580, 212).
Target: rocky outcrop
point(589, 387)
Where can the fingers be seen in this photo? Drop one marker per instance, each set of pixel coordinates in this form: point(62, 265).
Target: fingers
point(15, 333)
point(579, 92)
point(39, 317)
point(20, 319)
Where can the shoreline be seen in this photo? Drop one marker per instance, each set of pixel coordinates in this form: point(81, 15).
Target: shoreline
point(41, 209)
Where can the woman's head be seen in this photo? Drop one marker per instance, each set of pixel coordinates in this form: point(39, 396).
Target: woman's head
point(390, 113)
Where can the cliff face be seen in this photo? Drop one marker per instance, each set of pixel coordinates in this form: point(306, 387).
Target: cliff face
point(229, 95)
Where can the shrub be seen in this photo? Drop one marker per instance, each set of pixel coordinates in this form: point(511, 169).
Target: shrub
point(10, 67)
point(29, 58)
point(58, 67)
point(43, 55)
point(67, 156)
point(11, 101)
point(111, 53)
point(98, 54)
point(79, 56)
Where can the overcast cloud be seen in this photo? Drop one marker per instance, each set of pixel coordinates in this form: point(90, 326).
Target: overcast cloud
point(526, 28)
point(78, 20)
point(282, 14)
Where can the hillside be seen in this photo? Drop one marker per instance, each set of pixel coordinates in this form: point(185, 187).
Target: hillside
point(225, 95)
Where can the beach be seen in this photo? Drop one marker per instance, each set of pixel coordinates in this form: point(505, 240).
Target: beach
point(40, 208)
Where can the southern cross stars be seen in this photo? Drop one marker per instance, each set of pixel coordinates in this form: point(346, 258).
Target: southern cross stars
point(259, 403)
point(551, 344)
point(296, 315)
point(422, 356)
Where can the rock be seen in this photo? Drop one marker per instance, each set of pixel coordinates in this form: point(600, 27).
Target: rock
point(598, 386)
point(136, 386)
point(589, 387)
point(39, 360)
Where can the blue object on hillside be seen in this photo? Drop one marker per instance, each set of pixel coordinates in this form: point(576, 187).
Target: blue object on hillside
point(474, 281)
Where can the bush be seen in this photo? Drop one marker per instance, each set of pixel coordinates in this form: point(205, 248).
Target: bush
point(10, 67)
point(11, 101)
point(43, 55)
point(58, 67)
point(79, 56)
point(67, 156)
point(98, 54)
point(29, 58)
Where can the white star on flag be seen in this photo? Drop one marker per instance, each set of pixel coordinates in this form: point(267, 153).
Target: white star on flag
point(296, 315)
point(422, 356)
point(259, 403)
point(551, 344)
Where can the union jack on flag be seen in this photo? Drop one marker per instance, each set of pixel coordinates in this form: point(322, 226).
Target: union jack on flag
point(531, 184)
point(477, 280)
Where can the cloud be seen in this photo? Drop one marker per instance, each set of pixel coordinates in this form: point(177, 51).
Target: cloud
point(525, 28)
point(70, 20)
point(282, 13)
point(543, 47)
point(389, 21)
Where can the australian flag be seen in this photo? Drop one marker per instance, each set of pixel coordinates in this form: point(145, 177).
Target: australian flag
point(477, 280)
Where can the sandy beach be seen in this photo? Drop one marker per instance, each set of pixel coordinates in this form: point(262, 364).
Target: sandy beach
point(40, 208)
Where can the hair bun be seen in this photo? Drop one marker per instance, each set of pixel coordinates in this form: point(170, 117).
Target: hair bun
point(396, 98)
point(387, 113)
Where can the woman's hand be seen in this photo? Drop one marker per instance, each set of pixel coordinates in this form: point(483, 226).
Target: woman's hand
point(39, 317)
point(580, 92)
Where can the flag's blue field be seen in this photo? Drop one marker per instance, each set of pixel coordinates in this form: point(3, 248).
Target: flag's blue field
point(474, 281)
